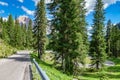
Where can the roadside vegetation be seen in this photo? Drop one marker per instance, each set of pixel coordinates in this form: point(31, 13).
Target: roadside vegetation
point(55, 73)
point(51, 71)
point(6, 49)
point(35, 74)
point(111, 72)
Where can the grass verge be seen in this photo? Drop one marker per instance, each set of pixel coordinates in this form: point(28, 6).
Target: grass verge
point(52, 73)
point(112, 72)
point(35, 73)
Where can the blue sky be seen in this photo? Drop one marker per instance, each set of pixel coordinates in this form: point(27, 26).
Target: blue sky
point(27, 7)
point(16, 8)
point(112, 12)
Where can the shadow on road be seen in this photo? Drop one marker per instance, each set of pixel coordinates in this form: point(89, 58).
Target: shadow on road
point(21, 58)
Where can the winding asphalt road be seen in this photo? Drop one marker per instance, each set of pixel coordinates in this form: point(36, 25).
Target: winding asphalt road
point(16, 67)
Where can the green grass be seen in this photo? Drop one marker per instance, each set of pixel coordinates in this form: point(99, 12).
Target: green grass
point(6, 49)
point(52, 72)
point(35, 73)
point(113, 72)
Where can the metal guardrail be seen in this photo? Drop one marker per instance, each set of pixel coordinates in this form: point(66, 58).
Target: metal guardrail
point(40, 71)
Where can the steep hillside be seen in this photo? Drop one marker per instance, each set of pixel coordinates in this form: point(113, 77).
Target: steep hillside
point(5, 49)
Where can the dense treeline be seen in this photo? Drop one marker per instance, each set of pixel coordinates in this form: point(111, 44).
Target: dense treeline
point(113, 39)
point(19, 36)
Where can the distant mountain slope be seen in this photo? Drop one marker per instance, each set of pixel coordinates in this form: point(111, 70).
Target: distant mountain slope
point(23, 19)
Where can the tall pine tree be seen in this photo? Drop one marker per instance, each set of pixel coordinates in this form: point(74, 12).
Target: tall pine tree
point(5, 36)
point(108, 37)
point(1, 25)
point(40, 27)
point(29, 35)
point(23, 37)
point(98, 45)
point(69, 33)
point(10, 30)
point(18, 35)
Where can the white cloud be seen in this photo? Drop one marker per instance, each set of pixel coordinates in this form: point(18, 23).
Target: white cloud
point(5, 18)
point(29, 12)
point(3, 3)
point(89, 28)
point(47, 1)
point(36, 1)
point(89, 34)
point(109, 2)
point(91, 3)
point(21, 1)
point(2, 11)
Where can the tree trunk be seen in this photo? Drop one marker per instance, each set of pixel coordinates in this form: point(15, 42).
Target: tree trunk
point(97, 65)
point(38, 53)
point(62, 62)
